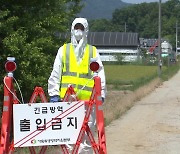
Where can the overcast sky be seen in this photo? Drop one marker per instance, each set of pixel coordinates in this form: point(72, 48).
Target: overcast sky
point(141, 1)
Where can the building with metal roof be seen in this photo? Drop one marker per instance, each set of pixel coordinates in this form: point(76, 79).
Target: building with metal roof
point(113, 39)
point(111, 45)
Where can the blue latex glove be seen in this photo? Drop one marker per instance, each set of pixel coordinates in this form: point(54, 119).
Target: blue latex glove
point(55, 98)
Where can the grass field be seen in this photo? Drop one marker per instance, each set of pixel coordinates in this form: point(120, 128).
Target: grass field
point(129, 77)
point(128, 72)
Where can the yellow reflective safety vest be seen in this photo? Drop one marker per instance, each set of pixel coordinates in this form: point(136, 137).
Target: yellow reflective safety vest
point(77, 74)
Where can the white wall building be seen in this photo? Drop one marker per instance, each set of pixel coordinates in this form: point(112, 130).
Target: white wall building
point(128, 55)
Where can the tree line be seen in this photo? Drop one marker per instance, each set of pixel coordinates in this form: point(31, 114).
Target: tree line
point(143, 19)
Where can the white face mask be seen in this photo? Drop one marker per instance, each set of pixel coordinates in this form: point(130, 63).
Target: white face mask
point(78, 34)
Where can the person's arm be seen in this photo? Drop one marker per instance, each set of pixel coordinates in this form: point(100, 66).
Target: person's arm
point(55, 77)
point(101, 74)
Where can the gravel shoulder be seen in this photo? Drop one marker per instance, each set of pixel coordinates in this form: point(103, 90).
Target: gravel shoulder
point(152, 125)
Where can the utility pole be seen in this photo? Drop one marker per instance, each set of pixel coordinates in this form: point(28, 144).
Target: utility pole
point(159, 42)
point(176, 38)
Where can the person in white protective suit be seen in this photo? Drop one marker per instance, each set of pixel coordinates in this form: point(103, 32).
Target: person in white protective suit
point(71, 66)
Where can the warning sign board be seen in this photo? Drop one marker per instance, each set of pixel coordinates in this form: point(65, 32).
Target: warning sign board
point(47, 123)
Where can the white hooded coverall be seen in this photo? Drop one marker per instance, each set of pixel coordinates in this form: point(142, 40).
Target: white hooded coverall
point(55, 77)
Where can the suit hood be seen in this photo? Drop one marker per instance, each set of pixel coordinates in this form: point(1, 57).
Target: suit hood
point(84, 22)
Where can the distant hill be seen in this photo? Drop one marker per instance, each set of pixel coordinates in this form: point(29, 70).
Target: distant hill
point(98, 9)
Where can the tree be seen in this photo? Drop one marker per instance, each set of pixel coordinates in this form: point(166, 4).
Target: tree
point(28, 32)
